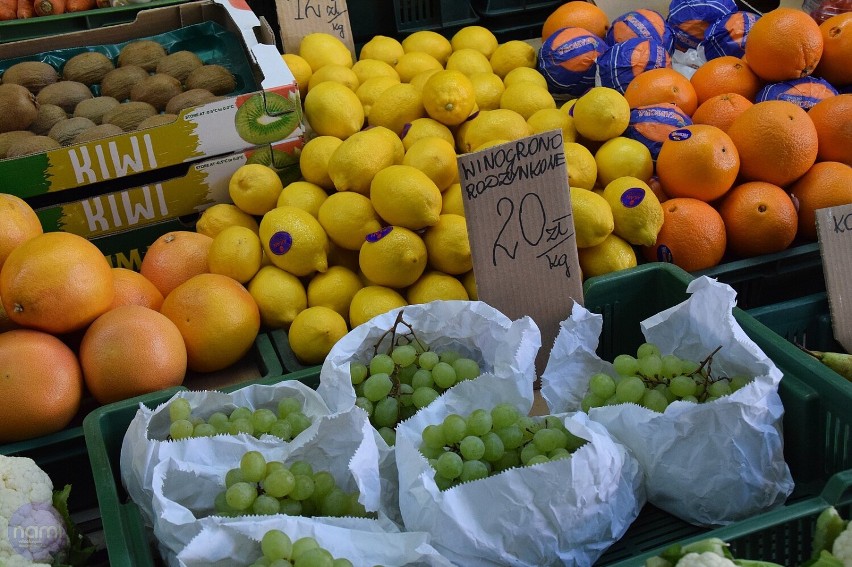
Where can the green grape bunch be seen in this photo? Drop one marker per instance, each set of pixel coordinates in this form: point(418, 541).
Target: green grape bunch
point(654, 380)
point(392, 385)
point(279, 550)
point(258, 487)
point(286, 423)
point(463, 449)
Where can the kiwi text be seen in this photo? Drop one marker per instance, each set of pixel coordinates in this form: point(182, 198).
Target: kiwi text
point(116, 210)
point(97, 162)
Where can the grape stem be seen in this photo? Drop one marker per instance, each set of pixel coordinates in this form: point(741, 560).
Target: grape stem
point(708, 361)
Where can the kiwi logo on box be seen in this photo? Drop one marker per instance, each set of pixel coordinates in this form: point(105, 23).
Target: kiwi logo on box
point(266, 117)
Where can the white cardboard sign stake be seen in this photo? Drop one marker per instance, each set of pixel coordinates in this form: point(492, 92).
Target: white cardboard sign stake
point(298, 18)
point(834, 228)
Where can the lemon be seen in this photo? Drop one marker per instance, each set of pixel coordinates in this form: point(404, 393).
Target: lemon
point(314, 331)
point(301, 70)
point(425, 128)
point(348, 218)
point(434, 286)
point(383, 48)
point(547, 119)
point(468, 280)
point(337, 73)
point(303, 195)
point(418, 81)
point(220, 216)
point(372, 68)
point(491, 144)
point(393, 257)
point(371, 89)
point(254, 188)
point(601, 114)
point(436, 157)
point(468, 61)
point(279, 295)
point(582, 169)
point(294, 241)
point(320, 49)
point(511, 55)
point(447, 245)
point(392, 139)
point(622, 157)
point(397, 106)
point(487, 89)
point(524, 75)
point(452, 203)
point(356, 161)
point(313, 161)
point(611, 255)
point(429, 42)
point(413, 63)
point(499, 124)
point(332, 109)
point(474, 37)
point(235, 252)
point(371, 301)
point(593, 220)
point(334, 289)
point(405, 196)
point(637, 211)
point(526, 99)
point(448, 97)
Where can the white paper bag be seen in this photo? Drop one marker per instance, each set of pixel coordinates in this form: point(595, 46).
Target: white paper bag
point(565, 512)
point(709, 464)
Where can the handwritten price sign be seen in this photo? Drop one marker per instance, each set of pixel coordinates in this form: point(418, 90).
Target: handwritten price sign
point(521, 231)
point(834, 228)
point(298, 18)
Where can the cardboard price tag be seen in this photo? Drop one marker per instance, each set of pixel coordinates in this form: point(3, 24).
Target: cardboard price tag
point(298, 18)
point(834, 229)
point(521, 231)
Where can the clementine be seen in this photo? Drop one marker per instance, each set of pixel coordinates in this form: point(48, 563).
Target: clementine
point(720, 110)
point(835, 65)
point(784, 43)
point(832, 118)
point(18, 223)
point(661, 85)
point(692, 237)
point(722, 75)
point(759, 217)
point(132, 288)
point(698, 161)
point(826, 184)
point(174, 258)
point(576, 14)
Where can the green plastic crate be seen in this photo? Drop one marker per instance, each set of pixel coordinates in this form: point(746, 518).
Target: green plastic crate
point(486, 8)
point(805, 321)
point(443, 16)
point(286, 355)
point(127, 538)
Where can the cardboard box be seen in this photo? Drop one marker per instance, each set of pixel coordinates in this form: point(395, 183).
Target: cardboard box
point(200, 132)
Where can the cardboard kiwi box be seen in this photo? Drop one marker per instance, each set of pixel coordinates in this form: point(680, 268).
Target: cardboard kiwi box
point(264, 108)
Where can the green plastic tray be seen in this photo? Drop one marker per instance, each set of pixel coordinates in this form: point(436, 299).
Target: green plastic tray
point(442, 16)
point(805, 321)
point(127, 538)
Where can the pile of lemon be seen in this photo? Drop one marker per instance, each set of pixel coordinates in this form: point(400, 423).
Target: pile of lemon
point(377, 220)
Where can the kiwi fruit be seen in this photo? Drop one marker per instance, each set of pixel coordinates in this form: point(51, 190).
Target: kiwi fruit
point(19, 107)
point(33, 145)
point(66, 130)
point(179, 64)
point(156, 90)
point(48, 115)
point(95, 108)
point(118, 82)
point(145, 53)
point(9, 139)
point(128, 115)
point(97, 132)
point(188, 99)
point(88, 68)
point(157, 120)
point(33, 75)
point(64, 94)
point(266, 117)
point(214, 78)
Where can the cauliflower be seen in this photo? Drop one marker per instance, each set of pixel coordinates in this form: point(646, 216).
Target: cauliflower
point(842, 548)
point(32, 532)
point(706, 559)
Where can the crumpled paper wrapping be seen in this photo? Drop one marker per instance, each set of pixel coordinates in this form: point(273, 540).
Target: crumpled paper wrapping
point(142, 448)
point(709, 464)
point(558, 513)
point(364, 542)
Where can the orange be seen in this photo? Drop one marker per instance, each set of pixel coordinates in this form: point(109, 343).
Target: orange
point(174, 258)
point(698, 161)
point(217, 317)
point(784, 44)
point(6, 324)
point(692, 236)
point(720, 110)
point(777, 142)
point(727, 74)
point(826, 184)
point(661, 85)
point(129, 351)
point(56, 282)
point(18, 223)
point(760, 218)
point(42, 384)
point(132, 288)
point(835, 65)
point(832, 118)
point(577, 14)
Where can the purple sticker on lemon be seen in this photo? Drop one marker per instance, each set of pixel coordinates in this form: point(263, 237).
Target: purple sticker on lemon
point(680, 135)
point(664, 254)
point(632, 197)
point(280, 243)
point(378, 235)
